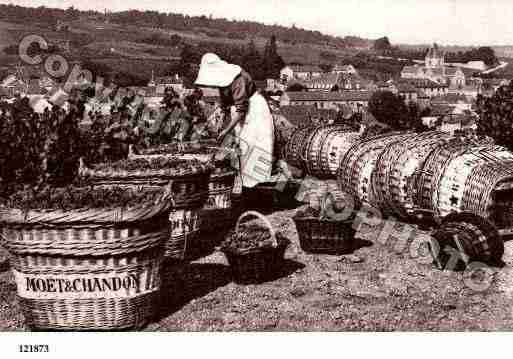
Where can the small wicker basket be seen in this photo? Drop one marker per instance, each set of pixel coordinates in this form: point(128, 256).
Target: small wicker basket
point(87, 269)
point(256, 265)
point(320, 234)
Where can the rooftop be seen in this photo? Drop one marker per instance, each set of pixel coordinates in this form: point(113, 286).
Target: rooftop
point(423, 83)
point(299, 115)
point(411, 69)
point(330, 96)
point(441, 110)
point(305, 68)
point(451, 98)
point(168, 80)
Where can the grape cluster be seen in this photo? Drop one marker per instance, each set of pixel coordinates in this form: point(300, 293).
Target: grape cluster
point(251, 236)
point(75, 197)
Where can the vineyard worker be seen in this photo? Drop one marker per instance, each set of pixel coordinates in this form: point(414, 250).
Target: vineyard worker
point(250, 126)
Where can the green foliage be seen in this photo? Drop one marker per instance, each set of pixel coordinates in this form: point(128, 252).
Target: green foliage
point(272, 62)
point(159, 40)
point(496, 116)
point(328, 56)
point(260, 66)
point(40, 149)
point(296, 87)
point(392, 111)
point(484, 53)
point(37, 149)
point(382, 45)
point(374, 68)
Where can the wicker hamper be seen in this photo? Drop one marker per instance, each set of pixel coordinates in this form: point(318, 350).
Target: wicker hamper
point(218, 213)
point(189, 194)
point(87, 269)
point(472, 235)
point(256, 265)
point(321, 234)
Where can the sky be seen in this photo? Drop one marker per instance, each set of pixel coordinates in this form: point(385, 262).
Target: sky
point(448, 22)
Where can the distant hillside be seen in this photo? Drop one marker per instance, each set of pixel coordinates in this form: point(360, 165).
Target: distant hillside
point(5, 38)
point(211, 27)
point(134, 44)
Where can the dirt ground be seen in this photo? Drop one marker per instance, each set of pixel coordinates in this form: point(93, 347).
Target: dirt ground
point(377, 288)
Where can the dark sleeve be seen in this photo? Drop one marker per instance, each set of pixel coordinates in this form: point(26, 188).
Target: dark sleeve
point(240, 93)
point(226, 99)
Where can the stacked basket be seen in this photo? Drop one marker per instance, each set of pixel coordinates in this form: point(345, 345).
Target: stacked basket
point(188, 186)
point(218, 211)
point(317, 150)
point(358, 165)
point(88, 268)
point(395, 168)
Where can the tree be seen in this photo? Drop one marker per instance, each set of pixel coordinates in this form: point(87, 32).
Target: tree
point(252, 61)
point(382, 45)
point(189, 59)
point(272, 62)
point(391, 110)
point(496, 116)
point(487, 55)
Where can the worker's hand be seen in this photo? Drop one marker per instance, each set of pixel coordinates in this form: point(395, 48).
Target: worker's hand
point(221, 136)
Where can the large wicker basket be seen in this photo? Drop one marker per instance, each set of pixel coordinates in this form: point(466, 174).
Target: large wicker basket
point(185, 229)
point(189, 188)
point(256, 265)
point(217, 213)
point(87, 269)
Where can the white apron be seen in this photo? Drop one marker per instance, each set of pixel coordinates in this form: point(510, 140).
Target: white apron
point(255, 139)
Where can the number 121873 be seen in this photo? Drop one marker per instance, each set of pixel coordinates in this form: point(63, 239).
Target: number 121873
point(28, 348)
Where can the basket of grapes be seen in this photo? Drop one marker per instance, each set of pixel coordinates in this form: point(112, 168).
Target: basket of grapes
point(86, 258)
point(202, 151)
point(326, 230)
point(188, 179)
point(255, 253)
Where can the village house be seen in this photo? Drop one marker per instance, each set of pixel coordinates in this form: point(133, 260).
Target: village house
point(450, 118)
point(435, 69)
point(344, 69)
point(337, 82)
point(161, 83)
point(427, 86)
point(301, 116)
point(459, 101)
point(356, 100)
point(274, 85)
point(407, 92)
point(299, 72)
point(150, 95)
point(470, 91)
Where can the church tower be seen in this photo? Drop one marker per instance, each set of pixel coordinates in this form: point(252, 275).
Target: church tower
point(435, 57)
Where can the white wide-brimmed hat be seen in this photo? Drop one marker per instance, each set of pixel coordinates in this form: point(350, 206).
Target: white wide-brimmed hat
point(216, 72)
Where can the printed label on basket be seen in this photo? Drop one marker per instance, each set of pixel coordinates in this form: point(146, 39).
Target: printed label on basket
point(86, 286)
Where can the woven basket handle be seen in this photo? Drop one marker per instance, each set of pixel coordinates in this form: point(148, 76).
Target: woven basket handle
point(261, 217)
point(82, 168)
